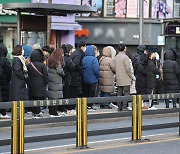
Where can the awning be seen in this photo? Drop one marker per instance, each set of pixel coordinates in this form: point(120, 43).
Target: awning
point(65, 26)
point(48, 9)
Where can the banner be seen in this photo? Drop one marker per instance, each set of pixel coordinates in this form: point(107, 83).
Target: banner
point(162, 9)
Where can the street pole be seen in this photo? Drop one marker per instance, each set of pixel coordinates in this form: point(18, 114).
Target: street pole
point(163, 46)
point(18, 27)
point(141, 21)
point(48, 26)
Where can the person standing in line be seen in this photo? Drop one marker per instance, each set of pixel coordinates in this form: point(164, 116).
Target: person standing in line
point(153, 73)
point(55, 75)
point(90, 73)
point(123, 75)
point(46, 51)
point(76, 81)
point(5, 78)
point(68, 68)
point(107, 73)
point(38, 79)
point(18, 90)
point(171, 73)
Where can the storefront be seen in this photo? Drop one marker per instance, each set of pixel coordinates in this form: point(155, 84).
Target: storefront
point(32, 26)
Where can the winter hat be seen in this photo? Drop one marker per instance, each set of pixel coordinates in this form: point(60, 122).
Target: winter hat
point(27, 51)
point(141, 48)
point(69, 47)
point(36, 46)
point(121, 46)
point(64, 48)
point(113, 52)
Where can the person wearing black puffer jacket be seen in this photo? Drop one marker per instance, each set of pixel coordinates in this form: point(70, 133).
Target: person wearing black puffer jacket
point(76, 80)
point(171, 72)
point(153, 73)
point(38, 79)
point(5, 77)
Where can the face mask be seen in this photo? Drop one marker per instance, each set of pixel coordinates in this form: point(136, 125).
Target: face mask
point(84, 49)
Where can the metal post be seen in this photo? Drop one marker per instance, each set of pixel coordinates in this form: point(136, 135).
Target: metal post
point(21, 127)
point(14, 136)
point(19, 27)
point(163, 47)
point(134, 119)
point(79, 124)
point(141, 21)
point(139, 117)
point(84, 122)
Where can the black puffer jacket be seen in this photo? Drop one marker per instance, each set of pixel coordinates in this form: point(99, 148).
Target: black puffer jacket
point(141, 75)
point(5, 76)
point(136, 61)
point(152, 71)
point(69, 67)
point(170, 73)
point(37, 82)
point(18, 84)
point(77, 57)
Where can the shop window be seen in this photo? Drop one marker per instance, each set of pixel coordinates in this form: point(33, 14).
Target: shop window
point(108, 8)
point(176, 8)
point(120, 8)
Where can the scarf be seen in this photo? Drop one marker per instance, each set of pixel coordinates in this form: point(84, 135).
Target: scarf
point(22, 59)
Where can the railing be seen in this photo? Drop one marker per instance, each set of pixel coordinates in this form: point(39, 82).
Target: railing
point(17, 123)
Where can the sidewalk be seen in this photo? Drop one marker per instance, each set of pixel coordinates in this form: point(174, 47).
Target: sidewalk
point(45, 114)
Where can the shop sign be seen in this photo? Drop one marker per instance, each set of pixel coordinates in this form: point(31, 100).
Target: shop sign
point(6, 12)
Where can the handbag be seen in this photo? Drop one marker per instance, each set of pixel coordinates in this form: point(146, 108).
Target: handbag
point(26, 76)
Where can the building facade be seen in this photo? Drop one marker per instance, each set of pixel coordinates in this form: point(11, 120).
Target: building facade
point(118, 20)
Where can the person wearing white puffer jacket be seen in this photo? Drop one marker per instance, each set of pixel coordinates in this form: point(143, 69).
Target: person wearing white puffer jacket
point(107, 73)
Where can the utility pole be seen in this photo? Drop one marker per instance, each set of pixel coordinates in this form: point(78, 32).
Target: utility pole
point(141, 21)
point(48, 26)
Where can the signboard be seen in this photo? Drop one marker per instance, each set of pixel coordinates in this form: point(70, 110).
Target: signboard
point(161, 40)
point(162, 9)
point(6, 12)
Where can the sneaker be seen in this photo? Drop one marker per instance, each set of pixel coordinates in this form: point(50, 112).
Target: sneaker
point(96, 107)
point(152, 108)
point(113, 106)
point(64, 114)
point(37, 116)
point(129, 108)
point(54, 116)
point(5, 116)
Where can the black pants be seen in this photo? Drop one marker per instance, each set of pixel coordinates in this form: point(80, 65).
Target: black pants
point(36, 110)
point(123, 91)
point(73, 93)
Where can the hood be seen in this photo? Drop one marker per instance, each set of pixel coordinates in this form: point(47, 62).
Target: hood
point(169, 55)
point(3, 50)
point(27, 51)
point(36, 56)
point(106, 52)
point(89, 51)
point(113, 51)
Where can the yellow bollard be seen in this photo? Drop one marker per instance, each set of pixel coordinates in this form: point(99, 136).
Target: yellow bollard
point(21, 127)
point(134, 119)
point(139, 117)
point(14, 136)
point(79, 124)
point(84, 122)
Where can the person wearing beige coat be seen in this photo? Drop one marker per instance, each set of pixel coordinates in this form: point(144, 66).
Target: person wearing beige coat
point(123, 74)
point(107, 72)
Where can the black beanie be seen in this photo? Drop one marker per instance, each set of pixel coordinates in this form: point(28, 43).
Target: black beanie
point(69, 47)
point(141, 48)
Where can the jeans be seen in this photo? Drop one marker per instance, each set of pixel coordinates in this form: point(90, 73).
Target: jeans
point(105, 94)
